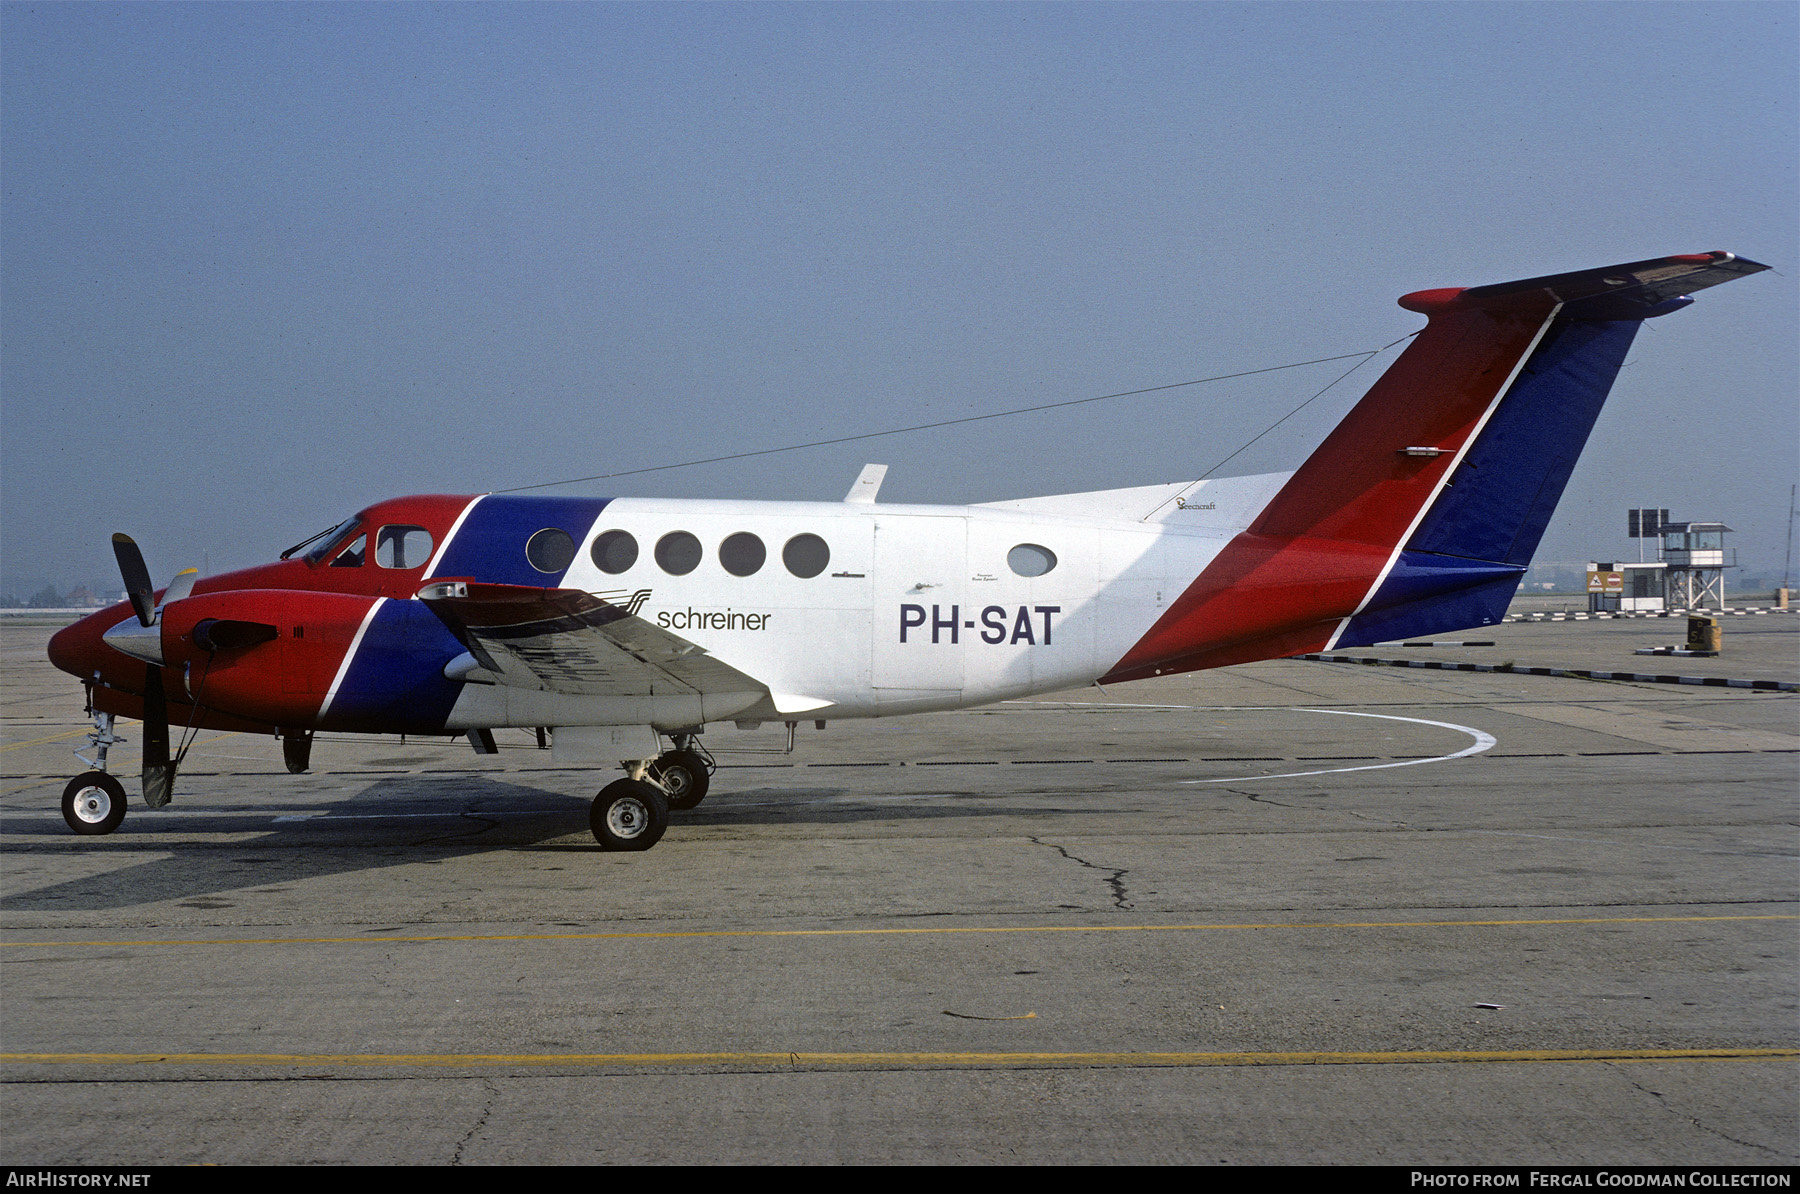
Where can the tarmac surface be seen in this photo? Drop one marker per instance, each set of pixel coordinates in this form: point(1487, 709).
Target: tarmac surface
point(1291, 912)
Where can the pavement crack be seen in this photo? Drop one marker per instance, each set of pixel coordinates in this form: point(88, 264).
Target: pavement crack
point(487, 1109)
point(1115, 876)
point(1258, 799)
point(473, 823)
point(1663, 1103)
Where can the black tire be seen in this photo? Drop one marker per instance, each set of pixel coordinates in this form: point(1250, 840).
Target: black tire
point(629, 814)
point(94, 804)
point(683, 776)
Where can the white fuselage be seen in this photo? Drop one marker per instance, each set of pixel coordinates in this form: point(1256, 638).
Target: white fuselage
point(918, 608)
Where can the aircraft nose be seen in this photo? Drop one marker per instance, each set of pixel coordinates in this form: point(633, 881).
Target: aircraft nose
point(79, 649)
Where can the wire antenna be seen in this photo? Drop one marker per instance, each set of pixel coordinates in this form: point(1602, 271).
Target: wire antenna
point(1000, 414)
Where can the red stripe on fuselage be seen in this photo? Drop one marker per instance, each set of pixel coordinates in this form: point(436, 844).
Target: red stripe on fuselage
point(1314, 554)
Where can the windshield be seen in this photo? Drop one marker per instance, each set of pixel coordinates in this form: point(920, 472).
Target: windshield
point(332, 541)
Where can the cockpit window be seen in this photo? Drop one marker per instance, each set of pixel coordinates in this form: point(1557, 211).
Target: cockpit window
point(336, 538)
point(352, 556)
point(402, 547)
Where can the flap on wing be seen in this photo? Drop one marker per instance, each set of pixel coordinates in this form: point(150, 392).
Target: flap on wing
point(565, 640)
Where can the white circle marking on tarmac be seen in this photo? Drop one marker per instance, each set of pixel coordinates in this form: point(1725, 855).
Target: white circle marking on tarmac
point(1483, 741)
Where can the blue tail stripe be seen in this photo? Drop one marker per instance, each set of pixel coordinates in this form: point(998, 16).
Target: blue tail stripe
point(1500, 499)
point(1465, 560)
point(1426, 594)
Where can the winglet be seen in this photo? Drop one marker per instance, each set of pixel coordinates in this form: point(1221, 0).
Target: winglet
point(867, 484)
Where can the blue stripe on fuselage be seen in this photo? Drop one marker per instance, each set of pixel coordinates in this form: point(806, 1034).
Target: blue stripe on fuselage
point(396, 684)
point(489, 546)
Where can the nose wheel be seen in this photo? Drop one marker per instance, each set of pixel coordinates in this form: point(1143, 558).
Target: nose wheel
point(93, 804)
point(629, 814)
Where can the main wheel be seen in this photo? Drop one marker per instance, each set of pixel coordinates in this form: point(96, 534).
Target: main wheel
point(94, 803)
point(683, 776)
point(629, 814)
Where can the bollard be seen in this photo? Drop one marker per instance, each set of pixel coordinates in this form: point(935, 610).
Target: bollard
point(1704, 635)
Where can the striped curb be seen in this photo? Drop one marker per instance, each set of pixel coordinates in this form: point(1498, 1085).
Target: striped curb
point(1578, 673)
point(1582, 616)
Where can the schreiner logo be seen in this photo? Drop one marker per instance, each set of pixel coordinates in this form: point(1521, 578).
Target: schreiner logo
point(627, 600)
point(710, 619)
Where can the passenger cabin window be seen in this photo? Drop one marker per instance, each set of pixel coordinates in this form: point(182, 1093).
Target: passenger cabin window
point(1029, 559)
point(402, 547)
point(550, 550)
point(678, 553)
point(615, 552)
point(806, 556)
point(742, 554)
point(352, 556)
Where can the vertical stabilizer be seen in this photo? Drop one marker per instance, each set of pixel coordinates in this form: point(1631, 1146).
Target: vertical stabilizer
point(1421, 509)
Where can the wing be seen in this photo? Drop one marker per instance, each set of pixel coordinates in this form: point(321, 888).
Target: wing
point(565, 640)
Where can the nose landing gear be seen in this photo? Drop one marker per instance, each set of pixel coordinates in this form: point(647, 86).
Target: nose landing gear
point(94, 802)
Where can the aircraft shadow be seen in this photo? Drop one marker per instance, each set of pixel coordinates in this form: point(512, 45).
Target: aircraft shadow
point(400, 821)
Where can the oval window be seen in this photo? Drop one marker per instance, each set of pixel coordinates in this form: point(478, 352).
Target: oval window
point(1028, 559)
point(806, 555)
point(742, 554)
point(615, 552)
point(678, 553)
point(550, 550)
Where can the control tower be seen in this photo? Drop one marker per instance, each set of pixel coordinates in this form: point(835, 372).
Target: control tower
point(1695, 554)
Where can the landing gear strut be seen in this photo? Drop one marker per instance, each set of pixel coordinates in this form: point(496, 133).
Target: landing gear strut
point(684, 773)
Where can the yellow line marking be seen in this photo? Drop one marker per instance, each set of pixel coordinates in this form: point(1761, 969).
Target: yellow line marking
point(896, 1059)
point(374, 939)
point(41, 741)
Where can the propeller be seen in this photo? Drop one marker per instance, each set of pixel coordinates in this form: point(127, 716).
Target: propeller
point(159, 771)
point(144, 641)
point(137, 578)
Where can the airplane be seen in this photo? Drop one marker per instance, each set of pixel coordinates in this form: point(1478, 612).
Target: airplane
point(620, 623)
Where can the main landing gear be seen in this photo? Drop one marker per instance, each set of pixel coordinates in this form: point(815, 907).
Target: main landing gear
point(633, 813)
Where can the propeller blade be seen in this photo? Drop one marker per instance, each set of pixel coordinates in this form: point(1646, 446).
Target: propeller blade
point(181, 586)
point(159, 772)
point(137, 579)
point(231, 634)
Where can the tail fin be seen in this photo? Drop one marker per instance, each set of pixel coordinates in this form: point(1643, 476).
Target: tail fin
point(1421, 509)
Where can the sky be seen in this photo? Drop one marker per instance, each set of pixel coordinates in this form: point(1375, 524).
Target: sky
point(263, 264)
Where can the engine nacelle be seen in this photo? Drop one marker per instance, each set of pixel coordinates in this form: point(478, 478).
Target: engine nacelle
point(281, 678)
